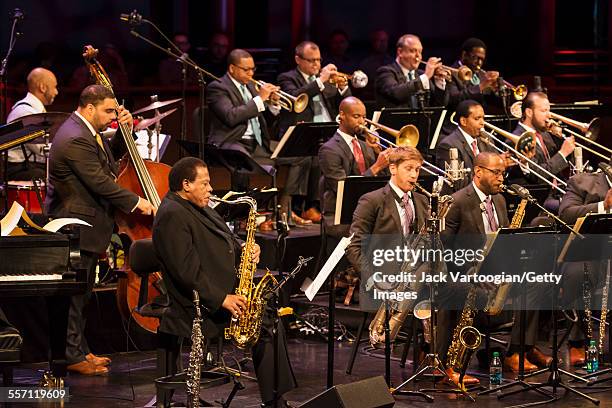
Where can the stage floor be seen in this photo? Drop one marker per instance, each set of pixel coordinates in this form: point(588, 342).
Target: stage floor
point(130, 383)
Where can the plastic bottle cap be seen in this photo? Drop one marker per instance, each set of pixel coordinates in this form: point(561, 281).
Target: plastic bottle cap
point(496, 354)
point(592, 342)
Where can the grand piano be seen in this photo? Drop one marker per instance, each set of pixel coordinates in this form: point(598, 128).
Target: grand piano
point(40, 265)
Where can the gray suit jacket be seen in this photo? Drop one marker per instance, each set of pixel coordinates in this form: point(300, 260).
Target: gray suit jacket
point(377, 214)
point(337, 162)
point(584, 191)
point(82, 183)
point(230, 114)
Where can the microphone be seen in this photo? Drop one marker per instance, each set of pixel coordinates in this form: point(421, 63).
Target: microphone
point(537, 84)
point(522, 192)
point(578, 163)
point(454, 168)
point(606, 168)
point(17, 14)
point(501, 86)
point(132, 19)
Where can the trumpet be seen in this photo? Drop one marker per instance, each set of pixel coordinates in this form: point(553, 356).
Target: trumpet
point(464, 73)
point(519, 92)
point(358, 78)
point(590, 130)
point(287, 101)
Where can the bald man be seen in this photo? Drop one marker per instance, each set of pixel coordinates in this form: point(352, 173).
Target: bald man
point(28, 161)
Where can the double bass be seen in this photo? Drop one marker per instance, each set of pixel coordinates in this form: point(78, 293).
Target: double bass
point(148, 179)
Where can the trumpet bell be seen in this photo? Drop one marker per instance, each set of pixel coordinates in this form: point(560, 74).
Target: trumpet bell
point(300, 103)
point(464, 73)
point(408, 136)
point(422, 310)
point(359, 79)
point(520, 92)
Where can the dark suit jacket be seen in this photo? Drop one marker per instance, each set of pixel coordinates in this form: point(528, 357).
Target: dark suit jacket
point(337, 162)
point(555, 164)
point(457, 140)
point(293, 83)
point(197, 251)
point(584, 191)
point(464, 219)
point(82, 183)
point(230, 114)
point(394, 90)
point(377, 213)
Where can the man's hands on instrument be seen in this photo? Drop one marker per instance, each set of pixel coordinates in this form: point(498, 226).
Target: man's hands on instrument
point(489, 80)
point(341, 81)
point(507, 157)
point(382, 162)
point(235, 304)
point(327, 71)
point(529, 152)
point(434, 67)
point(608, 200)
point(124, 117)
point(373, 142)
point(256, 253)
point(269, 92)
point(568, 146)
point(145, 207)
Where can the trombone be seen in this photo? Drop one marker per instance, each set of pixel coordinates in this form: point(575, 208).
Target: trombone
point(487, 137)
point(287, 101)
point(590, 130)
point(464, 73)
point(408, 135)
point(358, 79)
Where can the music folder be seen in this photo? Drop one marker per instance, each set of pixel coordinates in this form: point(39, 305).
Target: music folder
point(304, 139)
point(429, 133)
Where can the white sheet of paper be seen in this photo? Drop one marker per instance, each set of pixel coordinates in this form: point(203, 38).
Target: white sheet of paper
point(11, 219)
point(58, 223)
point(331, 263)
point(142, 144)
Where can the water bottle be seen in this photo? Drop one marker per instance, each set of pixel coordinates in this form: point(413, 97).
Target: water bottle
point(495, 371)
point(592, 363)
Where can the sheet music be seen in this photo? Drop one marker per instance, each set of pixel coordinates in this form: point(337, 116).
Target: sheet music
point(282, 142)
point(339, 199)
point(142, 143)
point(434, 139)
point(312, 287)
point(11, 219)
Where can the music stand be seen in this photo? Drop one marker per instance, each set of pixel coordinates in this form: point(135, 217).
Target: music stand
point(428, 121)
point(304, 139)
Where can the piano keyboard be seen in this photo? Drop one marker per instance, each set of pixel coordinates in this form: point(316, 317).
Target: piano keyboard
point(30, 277)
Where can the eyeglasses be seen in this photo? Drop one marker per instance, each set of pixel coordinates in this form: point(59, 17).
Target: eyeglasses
point(310, 60)
point(495, 172)
point(247, 69)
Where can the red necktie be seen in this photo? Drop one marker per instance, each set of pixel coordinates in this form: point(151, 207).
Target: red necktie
point(475, 147)
point(359, 156)
point(543, 146)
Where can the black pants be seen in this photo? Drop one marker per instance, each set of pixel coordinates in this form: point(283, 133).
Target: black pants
point(76, 344)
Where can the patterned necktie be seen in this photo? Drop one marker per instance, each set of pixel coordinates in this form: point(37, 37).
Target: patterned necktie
point(408, 213)
point(543, 146)
point(246, 96)
point(475, 148)
point(410, 76)
point(320, 112)
point(490, 214)
point(358, 156)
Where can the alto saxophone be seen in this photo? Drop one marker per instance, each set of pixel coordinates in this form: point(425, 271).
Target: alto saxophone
point(195, 356)
point(497, 297)
point(399, 310)
point(244, 331)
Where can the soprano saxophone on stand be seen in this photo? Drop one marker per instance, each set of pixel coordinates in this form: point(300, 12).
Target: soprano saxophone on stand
point(195, 356)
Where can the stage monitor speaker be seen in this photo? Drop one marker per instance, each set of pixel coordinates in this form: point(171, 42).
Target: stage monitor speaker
point(369, 393)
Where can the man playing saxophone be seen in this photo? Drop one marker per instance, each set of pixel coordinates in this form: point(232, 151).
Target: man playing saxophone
point(478, 210)
point(198, 251)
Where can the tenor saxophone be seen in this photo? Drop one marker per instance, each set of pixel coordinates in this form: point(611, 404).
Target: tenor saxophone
point(497, 297)
point(244, 331)
point(399, 310)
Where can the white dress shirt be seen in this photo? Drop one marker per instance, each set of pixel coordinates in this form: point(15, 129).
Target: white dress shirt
point(26, 106)
point(469, 139)
point(485, 220)
point(424, 79)
point(260, 107)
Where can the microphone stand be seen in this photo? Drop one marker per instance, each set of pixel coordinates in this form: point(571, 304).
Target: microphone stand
point(273, 302)
point(421, 95)
point(187, 62)
point(503, 94)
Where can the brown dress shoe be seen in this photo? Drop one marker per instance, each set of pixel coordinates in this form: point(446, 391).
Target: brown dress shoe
point(539, 358)
point(87, 368)
point(453, 376)
point(312, 214)
point(99, 361)
point(266, 226)
point(299, 221)
point(576, 356)
point(511, 363)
